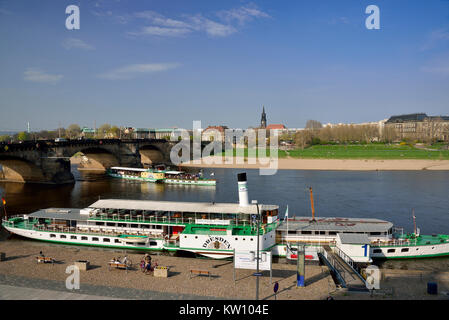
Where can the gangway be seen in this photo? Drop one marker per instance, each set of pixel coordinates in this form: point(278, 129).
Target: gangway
point(343, 269)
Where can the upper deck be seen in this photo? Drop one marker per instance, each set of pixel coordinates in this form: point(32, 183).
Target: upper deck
point(334, 225)
point(182, 207)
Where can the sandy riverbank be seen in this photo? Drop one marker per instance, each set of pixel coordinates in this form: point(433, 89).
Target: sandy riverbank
point(20, 262)
point(330, 164)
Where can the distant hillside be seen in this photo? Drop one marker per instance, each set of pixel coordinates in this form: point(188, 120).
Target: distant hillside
point(2, 133)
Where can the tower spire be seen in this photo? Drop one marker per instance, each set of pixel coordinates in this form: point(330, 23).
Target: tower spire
point(263, 120)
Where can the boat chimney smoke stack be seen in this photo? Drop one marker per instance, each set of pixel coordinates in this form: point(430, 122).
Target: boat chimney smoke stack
point(243, 189)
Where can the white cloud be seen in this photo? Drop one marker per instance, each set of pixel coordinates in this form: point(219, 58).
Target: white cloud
point(435, 38)
point(162, 31)
point(212, 28)
point(76, 43)
point(37, 75)
point(158, 19)
point(164, 26)
point(243, 14)
point(133, 70)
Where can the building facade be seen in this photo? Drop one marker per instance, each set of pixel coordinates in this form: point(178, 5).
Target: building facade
point(420, 126)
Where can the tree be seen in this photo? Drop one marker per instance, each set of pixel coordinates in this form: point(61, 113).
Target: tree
point(114, 132)
point(313, 124)
point(104, 130)
point(73, 131)
point(23, 136)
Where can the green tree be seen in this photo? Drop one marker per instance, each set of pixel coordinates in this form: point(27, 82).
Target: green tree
point(22, 136)
point(73, 131)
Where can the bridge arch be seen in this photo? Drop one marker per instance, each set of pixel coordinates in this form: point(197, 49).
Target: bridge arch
point(95, 158)
point(16, 169)
point(151, 154)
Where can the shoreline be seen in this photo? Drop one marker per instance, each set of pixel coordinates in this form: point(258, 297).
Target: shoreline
point(329, 164)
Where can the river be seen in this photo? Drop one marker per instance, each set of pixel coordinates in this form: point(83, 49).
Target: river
point(388, 195)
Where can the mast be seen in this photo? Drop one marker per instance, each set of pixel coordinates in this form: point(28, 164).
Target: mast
point(414, 221)
point(311, 203)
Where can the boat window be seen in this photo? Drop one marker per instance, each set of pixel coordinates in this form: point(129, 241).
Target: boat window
point(134, 226)
point(123, 225)
point(52, 236)
point(73, 237)
point(83, 238)
point(117, 241)
point(391, 250)
point(110, 224)
point(236, 239)
point(332, 233)
point(145, 226)
point(377, 251)
point(374, 233)
point(62, 236)
point(306, 232)
point(94, 239)
point(291, 231)
point(99, 223)
point(404, 250)
point(322, 232)
point(106, 240)
point(153, 243)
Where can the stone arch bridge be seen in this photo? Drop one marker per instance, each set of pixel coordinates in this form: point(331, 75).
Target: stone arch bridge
point(46, 161)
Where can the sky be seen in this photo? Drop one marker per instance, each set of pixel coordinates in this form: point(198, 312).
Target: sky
point(161, 64)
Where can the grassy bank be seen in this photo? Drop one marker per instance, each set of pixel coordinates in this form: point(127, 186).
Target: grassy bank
point(369, 151)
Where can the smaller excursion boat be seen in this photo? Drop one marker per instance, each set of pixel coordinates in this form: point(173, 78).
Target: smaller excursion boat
point(140, 174)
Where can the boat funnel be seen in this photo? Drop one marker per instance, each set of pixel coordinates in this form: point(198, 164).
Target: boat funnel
point(243, 190)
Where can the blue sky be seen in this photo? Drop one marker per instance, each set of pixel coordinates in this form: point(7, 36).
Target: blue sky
point(166, 63)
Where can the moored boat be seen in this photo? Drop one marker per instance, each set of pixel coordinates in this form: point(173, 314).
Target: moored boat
point(209, 229)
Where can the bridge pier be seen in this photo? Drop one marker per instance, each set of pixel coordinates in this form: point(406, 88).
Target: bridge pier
point(56, 171)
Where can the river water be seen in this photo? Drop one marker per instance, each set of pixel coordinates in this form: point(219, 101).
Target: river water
point(388, 195)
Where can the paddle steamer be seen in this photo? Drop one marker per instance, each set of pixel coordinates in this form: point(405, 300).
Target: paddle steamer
point(208, 229)
point(380, 238)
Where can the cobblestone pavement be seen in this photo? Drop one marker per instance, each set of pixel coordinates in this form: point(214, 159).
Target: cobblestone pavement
point(47, 289)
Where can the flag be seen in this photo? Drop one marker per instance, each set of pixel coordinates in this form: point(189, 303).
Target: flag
point(286, 214)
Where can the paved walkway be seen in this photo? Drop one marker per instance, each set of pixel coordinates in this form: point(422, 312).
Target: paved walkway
point(22, 293)
point(24, 288)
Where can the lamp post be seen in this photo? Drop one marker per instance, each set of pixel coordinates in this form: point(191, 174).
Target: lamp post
point(257, 253)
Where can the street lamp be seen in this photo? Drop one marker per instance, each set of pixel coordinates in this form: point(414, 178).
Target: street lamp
point(257, 253)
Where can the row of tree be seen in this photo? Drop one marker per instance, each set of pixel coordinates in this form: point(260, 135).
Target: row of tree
point(73, 131)
point(315, 133)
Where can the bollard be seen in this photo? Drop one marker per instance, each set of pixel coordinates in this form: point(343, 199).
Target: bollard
point(300, 267)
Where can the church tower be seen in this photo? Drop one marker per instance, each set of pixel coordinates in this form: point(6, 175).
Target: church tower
point(263, 121)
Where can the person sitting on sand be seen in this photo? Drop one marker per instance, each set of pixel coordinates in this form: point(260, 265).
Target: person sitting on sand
point(41, 254)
